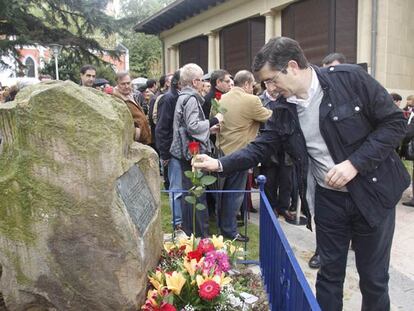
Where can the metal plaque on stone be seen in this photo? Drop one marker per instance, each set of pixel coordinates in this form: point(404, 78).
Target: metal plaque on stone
point(133, 189)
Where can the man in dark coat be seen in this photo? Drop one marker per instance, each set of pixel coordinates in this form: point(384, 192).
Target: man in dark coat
point(163, 140)
point(347, 125)
point(220, 81)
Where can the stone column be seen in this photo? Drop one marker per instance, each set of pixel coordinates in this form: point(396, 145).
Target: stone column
point(211, 51)
point(364, 35)
point(270, 25)
point(172, 58)
point(177, 57)
point(278, 24)
point(217, 51)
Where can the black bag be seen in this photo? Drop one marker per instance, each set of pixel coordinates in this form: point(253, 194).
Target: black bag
point(184, 141)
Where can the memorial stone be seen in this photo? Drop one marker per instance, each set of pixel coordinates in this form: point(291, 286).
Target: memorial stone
point(79, 202)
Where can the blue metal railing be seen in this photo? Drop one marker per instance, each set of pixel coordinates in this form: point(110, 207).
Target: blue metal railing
point(285, 283)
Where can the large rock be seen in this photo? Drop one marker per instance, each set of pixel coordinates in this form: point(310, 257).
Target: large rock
point(73, 234)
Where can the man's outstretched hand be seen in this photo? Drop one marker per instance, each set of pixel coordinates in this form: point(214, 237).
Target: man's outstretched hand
point(206, 163)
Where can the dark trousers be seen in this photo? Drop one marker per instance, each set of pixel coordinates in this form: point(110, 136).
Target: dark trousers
point(278, 186)
point(338, 221)
point(201, 223)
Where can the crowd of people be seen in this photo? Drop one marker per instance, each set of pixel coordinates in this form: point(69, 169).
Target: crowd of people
point(326, 135)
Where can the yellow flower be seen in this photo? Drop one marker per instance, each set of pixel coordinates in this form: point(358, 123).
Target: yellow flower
point(152, 293)
point(200, 280)
point(222, 279)
point(169, 246)
point(175, 282)
point(156, 280)
point(217, 241)
point(191, 266)
point(187, 242)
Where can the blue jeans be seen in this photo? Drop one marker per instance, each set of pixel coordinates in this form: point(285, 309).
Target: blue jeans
point(174, 175)
point(228, 204)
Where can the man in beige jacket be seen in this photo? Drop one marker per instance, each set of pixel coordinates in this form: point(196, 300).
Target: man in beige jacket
point(241, 123)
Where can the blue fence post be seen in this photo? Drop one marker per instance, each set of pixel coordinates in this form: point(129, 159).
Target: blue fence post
point(261, 180)
point(284, 281)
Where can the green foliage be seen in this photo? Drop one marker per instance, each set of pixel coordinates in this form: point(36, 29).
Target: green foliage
point(145, 55)
point(70, 64)
point(70, 23)
point(200, 182)
point(144, 50)
point(208, 180)
point(216, 107)
point(190, 199)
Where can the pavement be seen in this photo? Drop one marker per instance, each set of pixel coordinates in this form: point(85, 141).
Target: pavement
point(401, 285)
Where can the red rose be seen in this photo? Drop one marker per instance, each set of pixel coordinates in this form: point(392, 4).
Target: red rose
point(195, 255)
point(205, 246)
point(209, 290)
point(217, 95)
point(167, 307)
point(194, 147)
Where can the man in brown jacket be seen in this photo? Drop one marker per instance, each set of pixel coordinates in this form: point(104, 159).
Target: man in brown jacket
point(241, 123)
point(123, 90)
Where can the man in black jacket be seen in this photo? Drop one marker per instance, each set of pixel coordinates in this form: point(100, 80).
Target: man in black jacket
point(163, 139)
point(220, 81)
point(346, 123)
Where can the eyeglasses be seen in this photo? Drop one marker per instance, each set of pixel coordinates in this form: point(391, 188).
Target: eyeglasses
point(274, 79)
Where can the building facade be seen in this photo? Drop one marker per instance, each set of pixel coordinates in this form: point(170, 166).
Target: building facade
point(228, 33)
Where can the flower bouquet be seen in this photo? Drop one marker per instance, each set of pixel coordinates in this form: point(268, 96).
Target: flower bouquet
point(193, 274)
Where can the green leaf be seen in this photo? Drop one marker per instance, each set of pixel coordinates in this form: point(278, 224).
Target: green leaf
point(200, 206)
point(199, 174)
point(198, 191)
point(208, 180)
point(170, 299)
point(190, 199)
point(188, 174)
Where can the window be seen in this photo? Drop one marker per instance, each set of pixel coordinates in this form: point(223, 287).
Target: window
point(194, 51)
point(240, 42)
point(29, 67)
point(322, 27)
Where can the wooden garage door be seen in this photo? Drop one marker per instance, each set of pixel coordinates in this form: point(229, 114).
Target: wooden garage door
point(240, 42)
point(322, 27)
point(194, 51)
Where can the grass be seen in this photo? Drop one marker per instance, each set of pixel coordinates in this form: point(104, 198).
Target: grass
point(409, 166)
point(252, 229)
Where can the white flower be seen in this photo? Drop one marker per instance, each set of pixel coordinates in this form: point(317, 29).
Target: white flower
point(189, 308)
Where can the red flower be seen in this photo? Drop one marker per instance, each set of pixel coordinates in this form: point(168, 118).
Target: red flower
point(194, 147)
point(205, 246)
point(195, 255)
point(167, 307)
point(209, 290)
point(218, 95)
